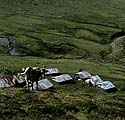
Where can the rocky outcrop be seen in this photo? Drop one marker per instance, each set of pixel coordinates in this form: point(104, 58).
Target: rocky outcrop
point(9, 43)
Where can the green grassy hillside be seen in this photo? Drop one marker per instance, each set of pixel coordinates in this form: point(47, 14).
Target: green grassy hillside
point(51, 28)
point(67, 102)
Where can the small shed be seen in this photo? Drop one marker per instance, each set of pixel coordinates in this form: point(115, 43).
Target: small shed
point(107, 86)
point(6, 82)
point(82, 75)
point(52, 71)
point(62, 78)
point(43, 84)
point(19, 80)
point(94, 80)
point(3, 84)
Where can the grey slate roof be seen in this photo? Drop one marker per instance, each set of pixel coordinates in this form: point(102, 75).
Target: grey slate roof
point(52, 71)
point(62, 78)
point(43, 84)
point(83, 75)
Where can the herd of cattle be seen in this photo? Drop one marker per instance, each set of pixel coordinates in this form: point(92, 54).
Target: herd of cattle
point(56, 76)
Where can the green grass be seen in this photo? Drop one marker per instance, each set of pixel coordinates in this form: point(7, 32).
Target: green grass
point(81, 23)
point(70, 102)
point(107, 70)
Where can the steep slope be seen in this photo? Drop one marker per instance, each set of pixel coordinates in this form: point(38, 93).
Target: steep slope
point(51, 28)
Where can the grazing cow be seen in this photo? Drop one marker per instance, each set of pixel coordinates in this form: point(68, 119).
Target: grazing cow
point(33, 75)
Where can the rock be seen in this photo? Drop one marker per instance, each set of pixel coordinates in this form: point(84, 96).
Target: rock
point(9, 43)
